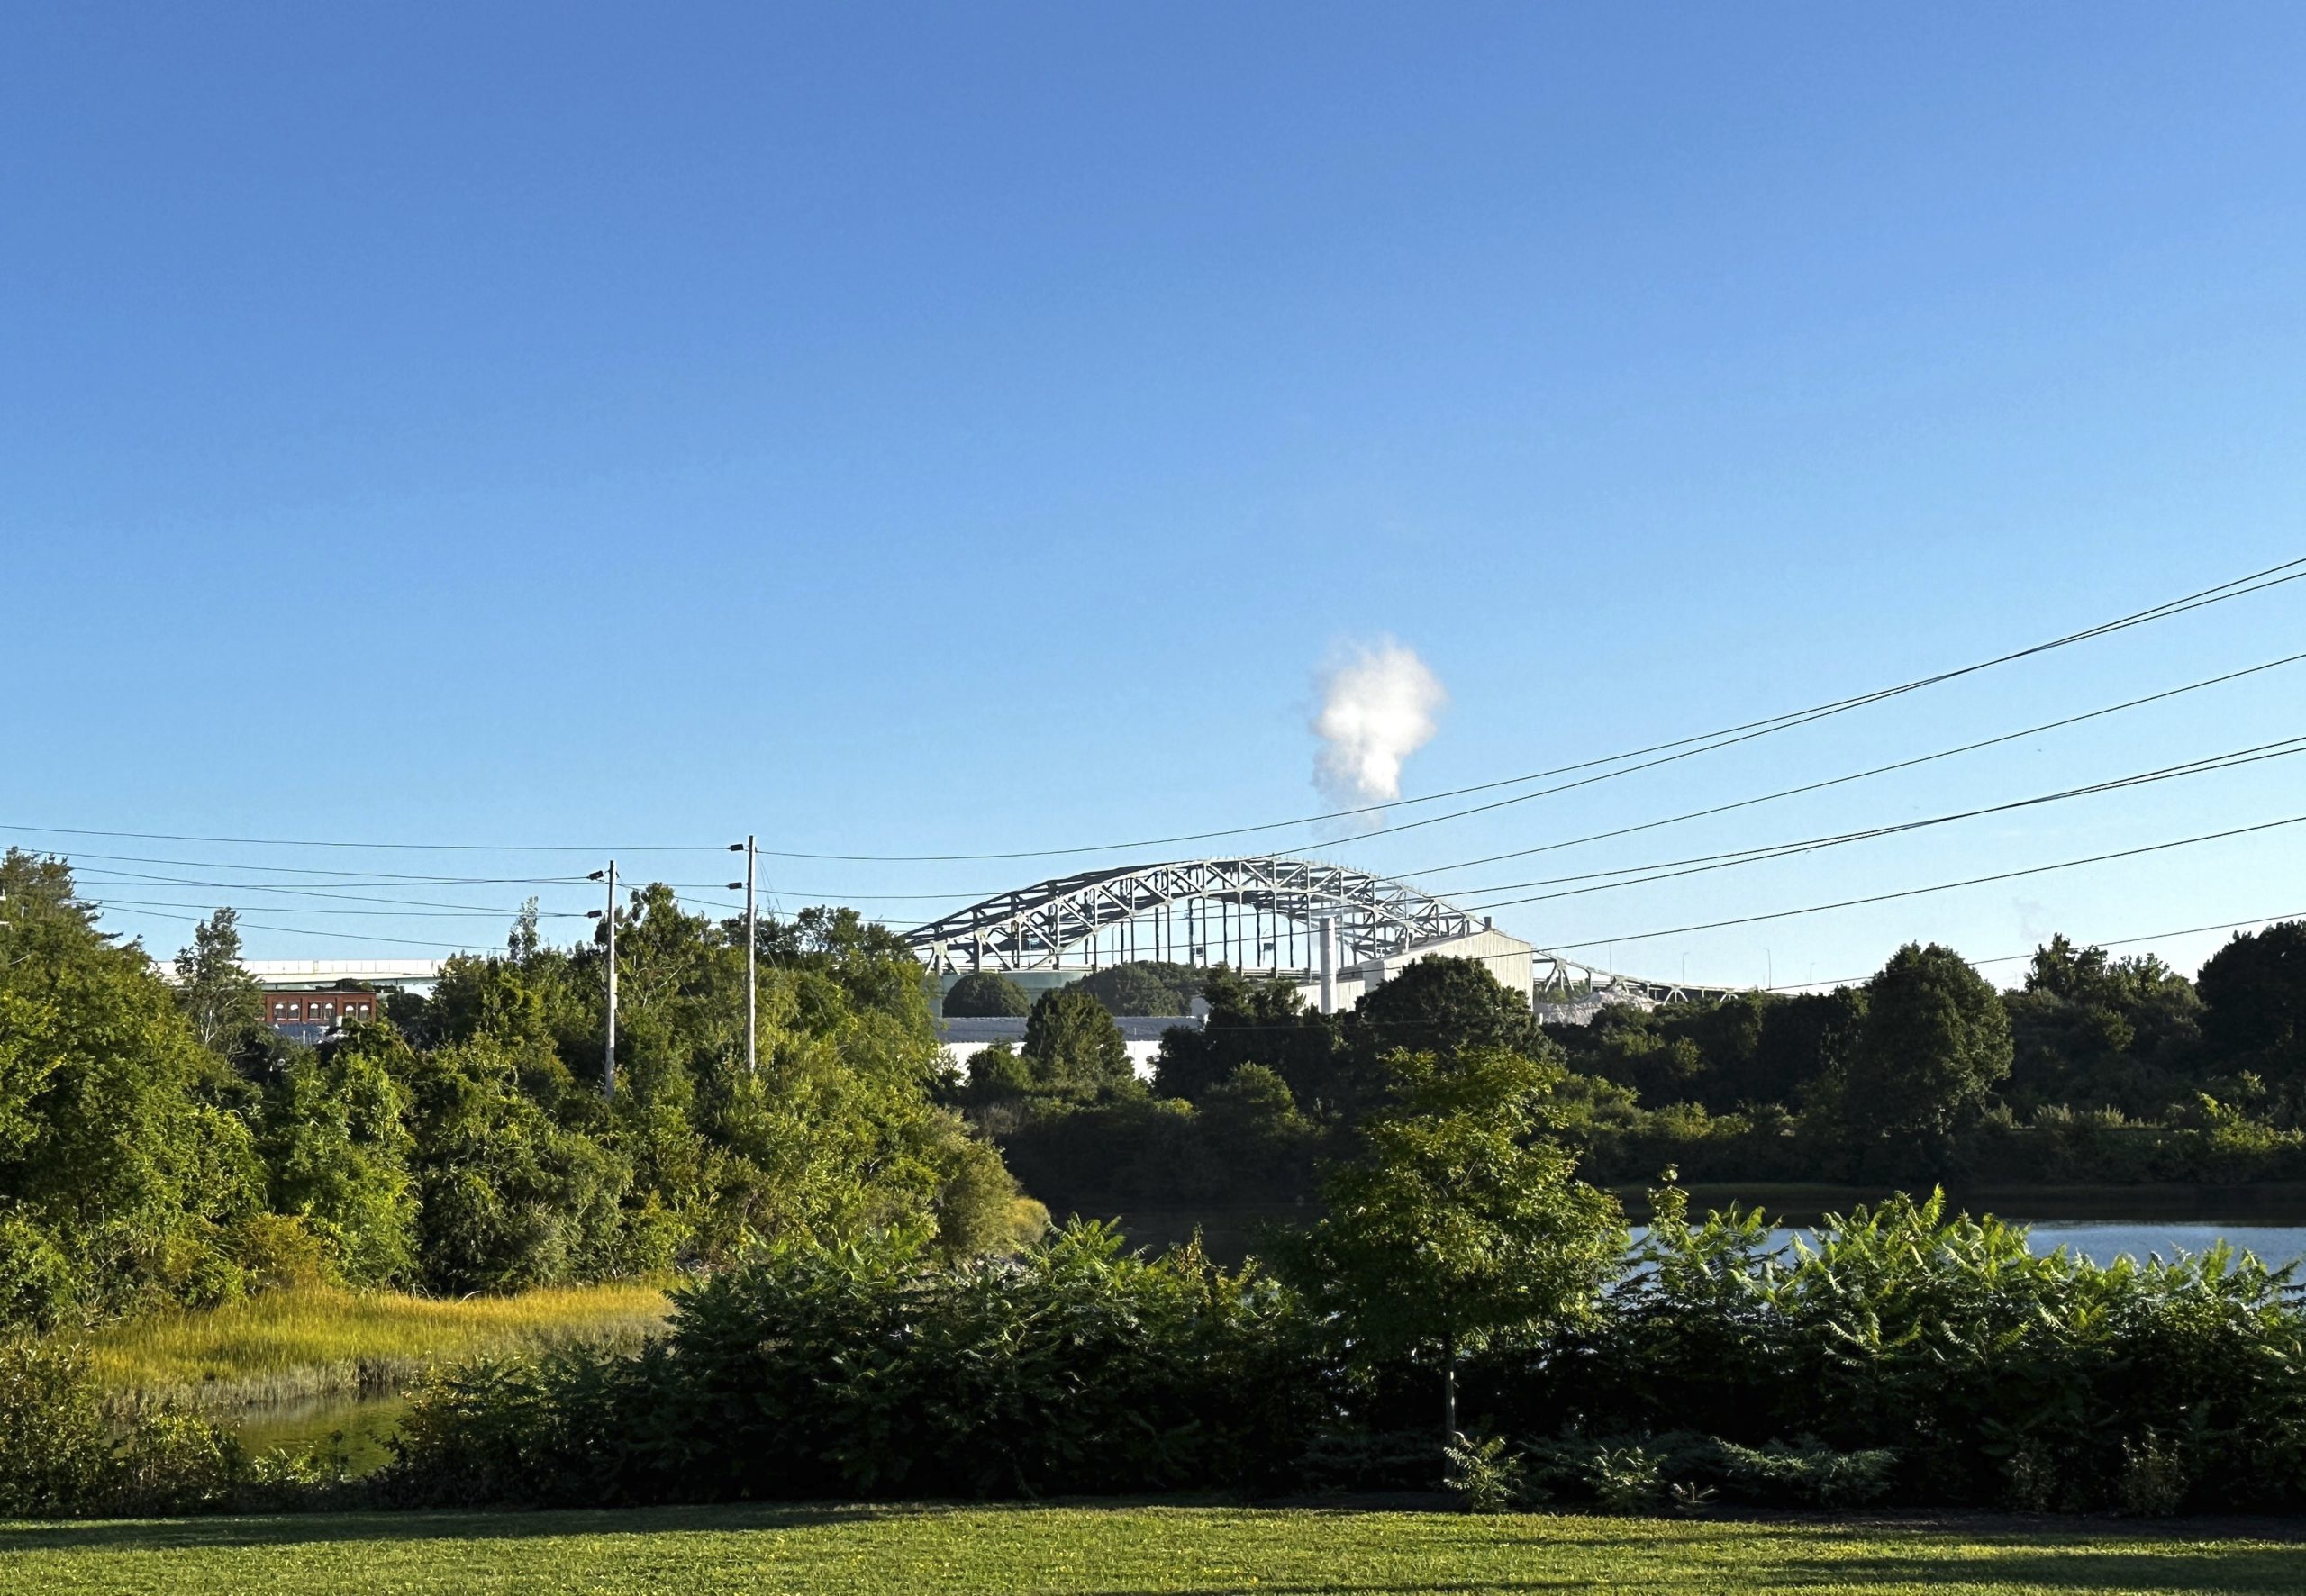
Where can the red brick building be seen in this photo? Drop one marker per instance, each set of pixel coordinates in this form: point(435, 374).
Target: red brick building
point(321, 1006)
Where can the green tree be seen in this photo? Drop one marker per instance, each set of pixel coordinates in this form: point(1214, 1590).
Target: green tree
point(1073, 1044)
point(1254, 1136)
point(2253, 993)
point(1935, 1042)
point(222, 1000)
point(1444, 1006)
point(507, 1199)
point(1251, 1022)
point(1145, 988)
point(122, 1169)
point(2092, 1031)
point(336, 1148)
point(1462, 1223)
point(987, 994)
point(996, 1071)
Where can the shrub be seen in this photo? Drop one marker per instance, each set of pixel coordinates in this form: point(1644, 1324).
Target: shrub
point(277, 1250)
point(170, 1461)
point(2154, 1478)
point(875, 1371)
point(59, 1456)
point(1626, 1479)
point(54, 1455)
point(37, 1283)
point(1810, 1474)
point(1489, 1478)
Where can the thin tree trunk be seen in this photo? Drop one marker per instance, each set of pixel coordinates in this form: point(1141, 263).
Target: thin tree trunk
point(1450, 1389)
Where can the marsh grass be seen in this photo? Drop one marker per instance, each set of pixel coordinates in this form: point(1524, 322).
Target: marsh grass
point(303, 1342)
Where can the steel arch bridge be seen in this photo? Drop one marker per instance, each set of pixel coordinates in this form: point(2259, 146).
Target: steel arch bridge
point(1255, 913)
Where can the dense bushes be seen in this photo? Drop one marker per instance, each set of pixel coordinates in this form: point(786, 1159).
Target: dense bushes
point(62, 1452)
point(1995, 1375)
point(877, 1371)
point(1245, 1143)
point(1910, 1357)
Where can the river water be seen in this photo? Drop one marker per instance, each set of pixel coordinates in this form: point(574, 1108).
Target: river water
point(2102, 1241)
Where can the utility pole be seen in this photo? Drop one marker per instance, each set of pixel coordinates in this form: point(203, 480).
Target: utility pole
point(608, 1053)
point(752, 995)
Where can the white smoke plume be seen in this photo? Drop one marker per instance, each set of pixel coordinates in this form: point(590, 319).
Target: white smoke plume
point(1378, 707)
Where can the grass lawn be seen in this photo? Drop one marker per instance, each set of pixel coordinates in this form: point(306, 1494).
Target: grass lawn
point(1109, 1551)
point(285, 1344)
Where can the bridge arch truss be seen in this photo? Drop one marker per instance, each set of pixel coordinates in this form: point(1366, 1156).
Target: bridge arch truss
point(1250, 913)
point(1254, 913)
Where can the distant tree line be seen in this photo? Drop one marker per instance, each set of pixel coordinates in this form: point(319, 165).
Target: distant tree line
point(2096, 1068)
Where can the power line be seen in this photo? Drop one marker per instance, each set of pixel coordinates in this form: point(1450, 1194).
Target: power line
point(1966, 748)
point(2238, 587)
point(1943, 886)
point(964, 895)
point(1666, 870)
point(135, 878)
point(1671, 869)
point(353, 877)
point(2241, 586)
point(305, 931)
point(298, 909)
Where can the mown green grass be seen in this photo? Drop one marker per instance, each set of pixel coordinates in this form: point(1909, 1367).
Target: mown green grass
point(311, 1341)
point(1107, 1551)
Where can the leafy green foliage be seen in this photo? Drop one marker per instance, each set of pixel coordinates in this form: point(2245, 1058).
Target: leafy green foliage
point(1936, 1040)
point(62, 1455)
point(996, 1073)
point(1145, 987)
point(2253, 993)
point(1810, 1474)
point(119, 1169)
point(1444, 1006)
point(1252, 1021)
point(222, 1000)
point(1073, 1045)
point(473, 1151)
point(336, 1144)
point(873, 1371)
point(1996, 1376)
point(1461, 1223)
point(1485, 1474)
point(984, 994)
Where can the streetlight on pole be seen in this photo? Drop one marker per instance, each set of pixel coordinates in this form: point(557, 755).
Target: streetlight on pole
point(1769, 971)
point(608, 1051)
point(752, 998)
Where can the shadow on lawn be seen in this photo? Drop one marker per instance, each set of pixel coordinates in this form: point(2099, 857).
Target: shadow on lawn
point(2232, 1572)
point(152, 1534)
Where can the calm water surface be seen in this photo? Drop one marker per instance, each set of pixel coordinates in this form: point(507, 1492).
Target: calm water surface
point(2102, 1241)
point(313, 1424)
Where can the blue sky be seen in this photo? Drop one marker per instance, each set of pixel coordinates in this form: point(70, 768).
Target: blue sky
point(960, 429)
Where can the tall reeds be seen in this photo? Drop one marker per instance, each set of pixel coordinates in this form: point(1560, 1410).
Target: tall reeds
point(300, 1342)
